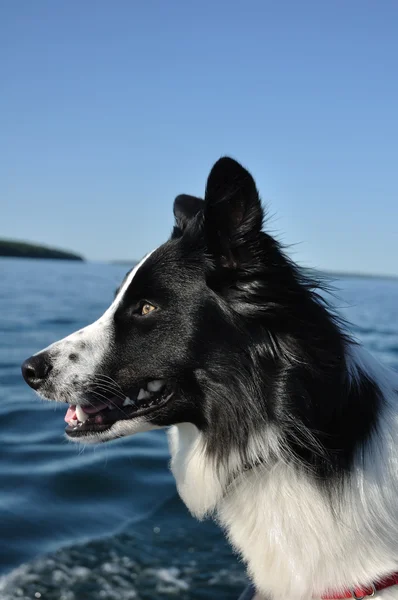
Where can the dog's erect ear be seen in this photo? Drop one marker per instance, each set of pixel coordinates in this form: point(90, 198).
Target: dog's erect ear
point(233, 213)
point(185, 209)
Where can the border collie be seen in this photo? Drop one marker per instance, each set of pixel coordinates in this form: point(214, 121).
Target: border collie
point(280, 425)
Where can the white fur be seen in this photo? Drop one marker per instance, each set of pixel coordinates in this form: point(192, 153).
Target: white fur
point(198, 484)
point(298, 541)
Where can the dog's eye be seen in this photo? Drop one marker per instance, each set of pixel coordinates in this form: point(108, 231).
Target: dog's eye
point(146, 308)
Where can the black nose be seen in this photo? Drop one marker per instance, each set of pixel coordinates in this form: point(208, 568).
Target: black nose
point(35, 369)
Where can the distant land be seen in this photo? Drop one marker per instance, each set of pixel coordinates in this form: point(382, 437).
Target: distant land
point(348, 275)
point(16, 249)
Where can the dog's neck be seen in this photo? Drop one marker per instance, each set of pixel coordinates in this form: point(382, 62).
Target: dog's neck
point(300, 538)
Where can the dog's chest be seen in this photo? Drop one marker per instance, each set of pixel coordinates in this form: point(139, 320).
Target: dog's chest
point(294, 543)
point(280, 522)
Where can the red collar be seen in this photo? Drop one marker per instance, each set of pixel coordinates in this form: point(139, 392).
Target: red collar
point(359, 593)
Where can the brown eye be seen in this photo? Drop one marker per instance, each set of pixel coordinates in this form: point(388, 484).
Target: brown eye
point(146, 309)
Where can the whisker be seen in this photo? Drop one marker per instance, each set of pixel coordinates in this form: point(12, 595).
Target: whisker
point(108, 378)
point(103, 388)
point(108, 383)
point(117, 391)
point(110, 402)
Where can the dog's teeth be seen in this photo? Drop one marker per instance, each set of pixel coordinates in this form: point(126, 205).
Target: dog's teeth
point(81, 415)
point(143, 395)
point(155, 385)
point(128, 402)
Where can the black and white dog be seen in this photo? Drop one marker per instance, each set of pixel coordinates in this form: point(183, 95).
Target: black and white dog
point(280, 425)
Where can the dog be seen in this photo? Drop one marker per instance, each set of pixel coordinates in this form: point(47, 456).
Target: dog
point(280, 425)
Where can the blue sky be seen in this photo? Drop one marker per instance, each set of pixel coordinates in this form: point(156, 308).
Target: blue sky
point(108, 110)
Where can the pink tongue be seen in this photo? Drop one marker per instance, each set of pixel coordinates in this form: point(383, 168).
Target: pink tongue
point(89, 410)
point(71, 414)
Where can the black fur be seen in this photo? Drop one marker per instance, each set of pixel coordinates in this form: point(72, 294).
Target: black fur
point(245, 334)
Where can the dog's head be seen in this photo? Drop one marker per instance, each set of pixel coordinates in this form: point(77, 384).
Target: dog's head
point(188, 327)
point(145, 362)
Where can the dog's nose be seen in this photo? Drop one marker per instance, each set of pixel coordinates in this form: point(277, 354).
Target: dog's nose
point(36, 368)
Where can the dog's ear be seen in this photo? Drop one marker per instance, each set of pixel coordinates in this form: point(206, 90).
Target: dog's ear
point(233, 214)
point(185, 209)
